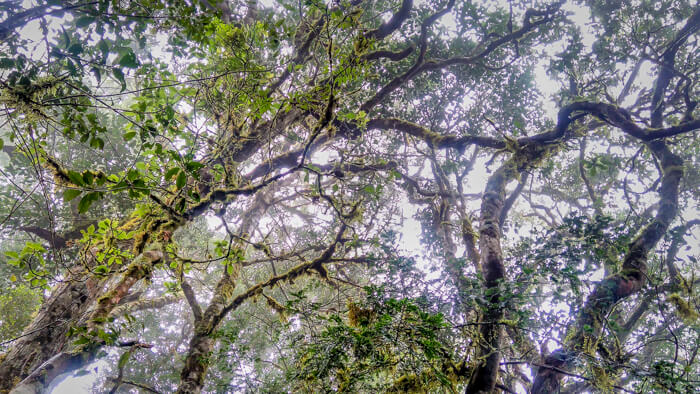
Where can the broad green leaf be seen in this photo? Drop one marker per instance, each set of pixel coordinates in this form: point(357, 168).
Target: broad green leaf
point(128, 59)
point(181, 180)
point(70, 194)
point(84, 21)
point(75, 177)
point(97, 143)
point(119, 75)
point(123, 359)
point(88, 177)
point(6, 63)
point(86, 201)
point(171, 173)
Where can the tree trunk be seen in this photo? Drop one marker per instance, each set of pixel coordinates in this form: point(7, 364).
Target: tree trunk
point(484, 377)
point(92, 317)
point(589, 325)
point(493, 211)
point(196, 364)
point(47, 335)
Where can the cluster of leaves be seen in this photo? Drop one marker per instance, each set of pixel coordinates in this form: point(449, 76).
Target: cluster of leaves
point(17, 307)
point(381, 343)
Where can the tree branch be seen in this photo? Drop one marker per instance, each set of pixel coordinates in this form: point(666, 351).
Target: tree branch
point(392, 24)
point(191, 300)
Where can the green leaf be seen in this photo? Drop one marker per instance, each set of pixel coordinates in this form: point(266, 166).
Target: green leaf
point(86, 201)
point(123, 359)
point(181, 180)
point(97, 143)
point(193, 166)
point(84, 21)
point(119, 75)
point(103, 46)
point(70, 194)
point(132, 175)
point(171, 173)
point(34, 245)
point(6, 63)
point(88, 177)
point(128, 59)
point(75, 49)
point(101, 269)
point(75, 178)
point(128, 136)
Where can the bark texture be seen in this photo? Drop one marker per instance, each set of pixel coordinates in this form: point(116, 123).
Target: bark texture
point(483, 379)
point(47, 335)
point(493, 208)
point(70, 356)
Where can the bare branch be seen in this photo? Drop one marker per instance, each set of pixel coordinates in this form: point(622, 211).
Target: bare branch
point(191, 300)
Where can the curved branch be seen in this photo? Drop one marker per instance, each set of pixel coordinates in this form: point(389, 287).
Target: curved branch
point(432, 138)
point(421, 65)
point(57, 241)
point(668, 59)
point(392, 24)
point(393, 56)
point(590, 323)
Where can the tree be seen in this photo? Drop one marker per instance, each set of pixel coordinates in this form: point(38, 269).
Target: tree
point(169, 164)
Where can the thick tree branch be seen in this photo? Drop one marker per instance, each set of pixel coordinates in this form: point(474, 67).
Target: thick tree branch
point(393, 56)
point(590, 323)
point(392, 24)
point(55, 240)
point(191, 300)
point(432, 138)
point(143, 304)
point(508, 204)
point(666, 68)
point(485, 375)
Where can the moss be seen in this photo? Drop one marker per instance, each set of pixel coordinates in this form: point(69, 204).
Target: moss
point(359, 316)
point(277, 307)
point(683, 308)
point(60, 174)
point(509, 323)
point(408, 383)
point(601, 380)
point(130, 224)
point(673, 168)
point(468, 230)
point(361, 45)
point(26, 99)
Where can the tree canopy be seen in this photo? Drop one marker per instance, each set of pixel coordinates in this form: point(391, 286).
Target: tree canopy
point(350, 195)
